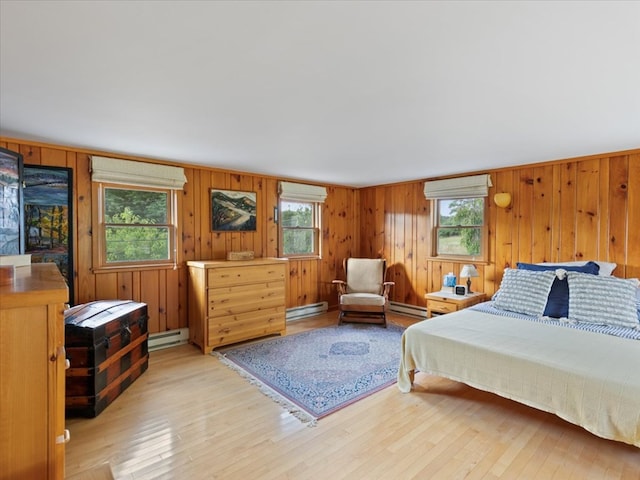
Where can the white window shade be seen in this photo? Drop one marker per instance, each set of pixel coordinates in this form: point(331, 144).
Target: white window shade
point(140, 174)
point(301, 192)
point(461, 187)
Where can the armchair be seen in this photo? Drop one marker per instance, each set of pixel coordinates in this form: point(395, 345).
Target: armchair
point(365, 293)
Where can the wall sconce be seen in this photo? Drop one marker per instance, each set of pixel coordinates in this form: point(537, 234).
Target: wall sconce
point(503, 200)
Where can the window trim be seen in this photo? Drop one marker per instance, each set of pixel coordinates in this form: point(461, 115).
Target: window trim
point(483, 256)
point(317, 228)
point(302, 193)
point(99, 240)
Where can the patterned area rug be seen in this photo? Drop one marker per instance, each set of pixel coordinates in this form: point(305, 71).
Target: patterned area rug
point(318, 372)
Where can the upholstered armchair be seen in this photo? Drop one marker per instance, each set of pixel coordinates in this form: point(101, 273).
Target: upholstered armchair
point(364, 296)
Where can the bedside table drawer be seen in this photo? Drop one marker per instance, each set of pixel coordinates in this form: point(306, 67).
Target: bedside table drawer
point(441, 307)
point(445, 302)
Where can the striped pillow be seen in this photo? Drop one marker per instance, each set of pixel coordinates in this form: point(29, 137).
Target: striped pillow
point(524, 291)
point(602, 300)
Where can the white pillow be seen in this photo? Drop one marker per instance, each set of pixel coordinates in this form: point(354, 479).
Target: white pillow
point(602, 300)
point(606, 268)
point(524, 291)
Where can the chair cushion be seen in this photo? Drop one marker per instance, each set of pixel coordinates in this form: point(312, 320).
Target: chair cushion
point(365, 275)
point(362, 299)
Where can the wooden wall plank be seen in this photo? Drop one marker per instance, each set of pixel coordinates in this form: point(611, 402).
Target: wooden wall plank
point(162, 300)
point(423, 245)
point(187, 218)
point(542, 213)
point(53, 157)
point(85, 284)
point(587, 210)
point(500, 240)
point(525, 207)
point(125, 285)
point(614, 242)
point(30, 154)
point(567, 219)
point(409, 296)
point(270, 241)
point(150, 294)
point(106, 286)
point(182, 294)
point(603, 206)
point(633, 218)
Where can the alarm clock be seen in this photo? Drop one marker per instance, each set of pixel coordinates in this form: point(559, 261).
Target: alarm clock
point(460, 289)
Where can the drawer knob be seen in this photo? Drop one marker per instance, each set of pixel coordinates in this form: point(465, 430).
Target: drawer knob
point(64, 438)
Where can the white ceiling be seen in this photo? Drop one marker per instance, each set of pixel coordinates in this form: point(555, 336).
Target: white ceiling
point(342, 92)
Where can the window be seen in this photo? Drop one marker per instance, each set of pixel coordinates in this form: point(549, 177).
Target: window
point(300, 208)
point(300, 231)
point(136, 225)
point(135, 222)
point(459, 226)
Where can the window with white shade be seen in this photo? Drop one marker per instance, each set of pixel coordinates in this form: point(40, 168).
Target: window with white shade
point(136, 215)
point(459, 213)
point(300, 215)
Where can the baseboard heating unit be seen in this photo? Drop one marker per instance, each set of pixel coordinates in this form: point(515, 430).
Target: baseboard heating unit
point(296, 313)
point(409, 310)
point(171, 338)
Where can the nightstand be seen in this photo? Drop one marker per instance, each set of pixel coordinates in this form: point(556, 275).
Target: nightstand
point(445, 302)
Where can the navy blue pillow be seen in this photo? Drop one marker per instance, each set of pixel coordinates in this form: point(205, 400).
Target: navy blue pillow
point(558, 299)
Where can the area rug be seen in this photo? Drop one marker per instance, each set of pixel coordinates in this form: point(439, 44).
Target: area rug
point(320, 371)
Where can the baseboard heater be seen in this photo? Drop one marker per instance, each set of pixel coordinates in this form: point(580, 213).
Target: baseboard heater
point(171, 338)
point(409, 310)
point(297, 313)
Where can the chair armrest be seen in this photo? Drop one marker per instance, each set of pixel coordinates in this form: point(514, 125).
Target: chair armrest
point(386, 286)
point(341, 286)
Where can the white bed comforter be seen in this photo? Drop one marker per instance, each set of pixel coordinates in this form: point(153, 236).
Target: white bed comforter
point(589, 379)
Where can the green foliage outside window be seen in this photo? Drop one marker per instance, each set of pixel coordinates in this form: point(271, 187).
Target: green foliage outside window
point(136, 226)
point(459, 230)
point(298, 229)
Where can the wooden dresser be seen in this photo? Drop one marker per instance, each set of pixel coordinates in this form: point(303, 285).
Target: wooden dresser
point(232, 301)
point(32, 374)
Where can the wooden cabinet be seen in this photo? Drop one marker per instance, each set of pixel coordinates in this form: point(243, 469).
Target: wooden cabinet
point(232, 301)
point(32, 374)
point(444, 302)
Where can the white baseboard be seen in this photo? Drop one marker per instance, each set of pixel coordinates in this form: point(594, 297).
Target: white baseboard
point(296, 313)
point(171, 338)
point(409, 310)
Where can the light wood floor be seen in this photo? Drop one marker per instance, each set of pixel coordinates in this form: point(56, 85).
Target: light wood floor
point(190, 417)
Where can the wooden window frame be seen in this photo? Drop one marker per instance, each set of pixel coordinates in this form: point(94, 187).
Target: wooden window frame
point(482, 257)
point(316, 228)
point(99, 241)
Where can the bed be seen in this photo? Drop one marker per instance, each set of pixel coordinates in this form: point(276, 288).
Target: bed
point(586, 372)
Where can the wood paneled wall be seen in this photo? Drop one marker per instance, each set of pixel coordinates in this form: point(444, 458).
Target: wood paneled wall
point(583, 208)
point(578, 209)
point(164, 290)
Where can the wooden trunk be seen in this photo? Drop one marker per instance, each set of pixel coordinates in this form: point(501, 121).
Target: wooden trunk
point(107, 348)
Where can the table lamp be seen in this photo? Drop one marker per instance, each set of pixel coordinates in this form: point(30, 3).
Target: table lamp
point(469, 271)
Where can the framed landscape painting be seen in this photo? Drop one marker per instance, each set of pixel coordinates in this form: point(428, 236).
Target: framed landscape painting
point(48, 205)
point(233, 211)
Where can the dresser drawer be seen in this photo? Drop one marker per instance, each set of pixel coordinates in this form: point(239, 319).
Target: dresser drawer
point(233, 328)
point(219, 277)
point(441, 307)
point(233, 300)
